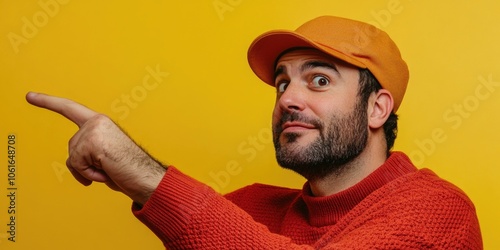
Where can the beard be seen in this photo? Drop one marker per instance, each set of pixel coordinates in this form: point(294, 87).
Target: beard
point(341, 139)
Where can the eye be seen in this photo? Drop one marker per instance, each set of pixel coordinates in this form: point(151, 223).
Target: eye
point(320, 81)
point(281, 86)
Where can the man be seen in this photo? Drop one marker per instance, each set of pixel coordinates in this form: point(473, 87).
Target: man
point(339, 83)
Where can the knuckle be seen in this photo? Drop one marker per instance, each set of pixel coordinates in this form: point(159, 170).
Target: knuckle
point(99, 124)
point(99, 128)
point(101, 120)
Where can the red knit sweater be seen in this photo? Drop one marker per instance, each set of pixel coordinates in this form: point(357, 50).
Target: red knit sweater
point(396, 207)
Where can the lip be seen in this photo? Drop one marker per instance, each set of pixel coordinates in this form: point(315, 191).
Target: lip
point(296, 126)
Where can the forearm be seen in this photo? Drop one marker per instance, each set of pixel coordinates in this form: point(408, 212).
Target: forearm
point(184, 213)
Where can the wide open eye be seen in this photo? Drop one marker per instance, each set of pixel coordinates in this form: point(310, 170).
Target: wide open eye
point(281, 86)
point(320, 81)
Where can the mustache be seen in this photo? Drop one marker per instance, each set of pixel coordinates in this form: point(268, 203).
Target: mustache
point(296, 117)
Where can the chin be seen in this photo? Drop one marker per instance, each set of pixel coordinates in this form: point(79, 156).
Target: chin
point(301, 138)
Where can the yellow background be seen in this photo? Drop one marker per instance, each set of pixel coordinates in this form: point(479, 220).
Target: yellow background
point(205, 109)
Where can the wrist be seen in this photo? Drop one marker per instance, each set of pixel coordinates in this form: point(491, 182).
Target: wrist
point(149, 183)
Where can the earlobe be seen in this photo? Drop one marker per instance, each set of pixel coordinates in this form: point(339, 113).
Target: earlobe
point(381, 105)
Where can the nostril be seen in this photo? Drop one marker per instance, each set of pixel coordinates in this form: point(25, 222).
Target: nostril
point(293, 107)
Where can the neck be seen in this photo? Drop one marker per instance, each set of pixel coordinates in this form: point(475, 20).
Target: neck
point(353, 172)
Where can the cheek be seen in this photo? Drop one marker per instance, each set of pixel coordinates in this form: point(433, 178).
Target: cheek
point(325, 106)
point(276, 116)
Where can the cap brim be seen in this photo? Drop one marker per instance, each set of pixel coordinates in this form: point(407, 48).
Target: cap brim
point(266, 48)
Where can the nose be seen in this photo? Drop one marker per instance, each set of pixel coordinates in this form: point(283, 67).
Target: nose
point(293, 98)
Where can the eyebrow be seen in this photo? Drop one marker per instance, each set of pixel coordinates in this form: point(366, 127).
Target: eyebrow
point(320, 64)
point(306, 66)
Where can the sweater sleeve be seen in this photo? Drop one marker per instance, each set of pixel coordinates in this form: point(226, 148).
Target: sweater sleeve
point(186, 214)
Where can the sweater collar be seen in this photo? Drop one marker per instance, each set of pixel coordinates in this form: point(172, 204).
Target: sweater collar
point(329, 209)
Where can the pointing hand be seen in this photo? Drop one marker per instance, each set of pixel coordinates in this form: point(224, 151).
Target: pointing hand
point(100, 151)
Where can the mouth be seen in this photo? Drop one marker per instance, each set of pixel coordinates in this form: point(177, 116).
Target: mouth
point(295, 126)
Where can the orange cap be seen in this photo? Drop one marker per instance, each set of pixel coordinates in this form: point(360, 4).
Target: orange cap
point(360, 44)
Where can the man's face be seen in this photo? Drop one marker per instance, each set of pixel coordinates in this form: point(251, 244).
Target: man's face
point(319, 123)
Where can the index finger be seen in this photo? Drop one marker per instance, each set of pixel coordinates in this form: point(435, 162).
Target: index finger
point(74, 111)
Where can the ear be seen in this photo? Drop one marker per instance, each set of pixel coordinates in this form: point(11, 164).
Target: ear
point(379, 109)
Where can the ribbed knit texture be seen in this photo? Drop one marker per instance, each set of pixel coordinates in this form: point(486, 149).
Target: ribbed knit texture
point(395, 207)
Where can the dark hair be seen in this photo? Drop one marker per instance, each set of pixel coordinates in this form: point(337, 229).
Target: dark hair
point(367, 85)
